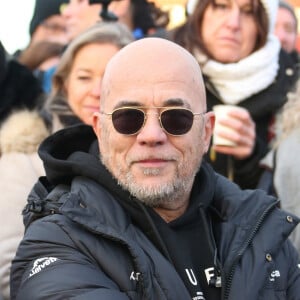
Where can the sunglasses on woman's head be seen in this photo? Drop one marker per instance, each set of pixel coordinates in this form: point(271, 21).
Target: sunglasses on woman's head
point(173, 120)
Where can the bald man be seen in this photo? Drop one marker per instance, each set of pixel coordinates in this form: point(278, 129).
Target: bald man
point(128, 209)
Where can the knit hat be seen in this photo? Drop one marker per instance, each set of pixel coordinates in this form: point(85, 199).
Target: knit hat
point(43, 10)
point(270, 6)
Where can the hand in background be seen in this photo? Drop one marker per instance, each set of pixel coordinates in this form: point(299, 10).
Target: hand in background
point(240, 130)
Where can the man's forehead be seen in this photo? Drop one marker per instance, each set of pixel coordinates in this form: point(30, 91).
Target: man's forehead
point(151, 55)
point(155, 66)
point(175, 94)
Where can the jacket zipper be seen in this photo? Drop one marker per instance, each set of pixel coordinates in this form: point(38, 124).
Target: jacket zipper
point(228, 281)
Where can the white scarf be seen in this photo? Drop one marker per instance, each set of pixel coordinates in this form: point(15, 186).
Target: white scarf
point(236, 82)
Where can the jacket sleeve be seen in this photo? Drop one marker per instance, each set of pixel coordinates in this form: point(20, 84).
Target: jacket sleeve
point(293, 288)
point(286, 179)
point(18, 173)
point(247, 172)
point(49, 266)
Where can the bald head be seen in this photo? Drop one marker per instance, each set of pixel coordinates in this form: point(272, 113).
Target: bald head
point(153, 61)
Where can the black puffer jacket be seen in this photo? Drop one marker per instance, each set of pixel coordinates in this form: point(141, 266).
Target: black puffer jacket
point(262, 107)
point(82, 241)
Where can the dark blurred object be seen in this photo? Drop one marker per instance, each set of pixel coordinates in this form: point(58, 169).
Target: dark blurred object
point(149, 18)
point(3, 65)
point(19, 88)
point(105, 14)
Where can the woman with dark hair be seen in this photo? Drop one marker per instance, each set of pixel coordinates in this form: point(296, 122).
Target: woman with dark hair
point(243, 66)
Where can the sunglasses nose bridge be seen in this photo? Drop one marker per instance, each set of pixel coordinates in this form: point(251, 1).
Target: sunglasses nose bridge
point(157, 116)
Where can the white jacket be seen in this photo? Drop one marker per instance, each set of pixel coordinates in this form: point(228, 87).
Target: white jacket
point(20, 167)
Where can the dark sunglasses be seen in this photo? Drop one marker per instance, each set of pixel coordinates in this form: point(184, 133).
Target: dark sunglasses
point(173, 120)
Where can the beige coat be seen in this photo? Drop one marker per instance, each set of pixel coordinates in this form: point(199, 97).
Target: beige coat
point(20, 168)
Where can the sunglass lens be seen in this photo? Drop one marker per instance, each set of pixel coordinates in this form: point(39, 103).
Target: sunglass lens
point(127, 120)
point(177, 121)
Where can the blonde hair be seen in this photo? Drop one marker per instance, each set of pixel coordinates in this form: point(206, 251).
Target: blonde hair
point(103, 32)
point(289, 118)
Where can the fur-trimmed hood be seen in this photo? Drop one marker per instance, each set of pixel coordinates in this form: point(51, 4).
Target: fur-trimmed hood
point(22, 131)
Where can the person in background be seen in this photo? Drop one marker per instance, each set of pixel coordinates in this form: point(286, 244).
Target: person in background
point(76, 83)
point(282, 162)
point(48, 39)
point(74, 98)
point(233, 42)
point(47, 23)
point(286, 26)
point(128, 209)
point(141, 16)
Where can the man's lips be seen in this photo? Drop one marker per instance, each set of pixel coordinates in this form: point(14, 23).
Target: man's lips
point(152, 162)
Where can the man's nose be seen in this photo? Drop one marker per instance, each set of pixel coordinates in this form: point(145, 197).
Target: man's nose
point(152, 132)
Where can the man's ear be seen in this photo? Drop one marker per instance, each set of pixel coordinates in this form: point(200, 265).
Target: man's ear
point(209, 124)
point(96, 124)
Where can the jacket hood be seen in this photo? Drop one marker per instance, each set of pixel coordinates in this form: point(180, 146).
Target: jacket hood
point(74, 152)
point(66, 154)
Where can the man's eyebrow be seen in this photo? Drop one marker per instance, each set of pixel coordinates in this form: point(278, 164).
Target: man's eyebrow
point(168, 102)
point(128, 103)
point(176, 102)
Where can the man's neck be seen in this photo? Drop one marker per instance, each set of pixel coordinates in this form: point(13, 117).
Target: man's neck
point(169, 214)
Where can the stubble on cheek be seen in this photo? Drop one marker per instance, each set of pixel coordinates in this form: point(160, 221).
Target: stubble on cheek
point(152, 192)
point(113, 154)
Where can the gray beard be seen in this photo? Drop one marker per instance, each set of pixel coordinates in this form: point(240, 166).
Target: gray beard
point(161, 195)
